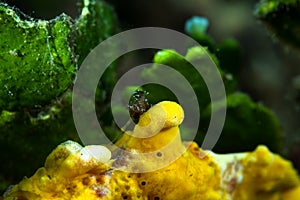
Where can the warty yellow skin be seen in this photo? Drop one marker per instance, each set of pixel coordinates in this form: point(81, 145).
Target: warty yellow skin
point(178, 171)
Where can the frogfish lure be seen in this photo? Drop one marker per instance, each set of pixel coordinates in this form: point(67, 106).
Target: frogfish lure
point(138, 104)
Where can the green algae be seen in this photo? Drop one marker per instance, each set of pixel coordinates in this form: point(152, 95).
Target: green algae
point(36, 60)
point(94, 14)
point(281, 17)
point(265, 7)
point(247, 125)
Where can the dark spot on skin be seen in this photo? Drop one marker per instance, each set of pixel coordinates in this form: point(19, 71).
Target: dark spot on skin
point(71, 188)
point(159, 154)
point(124, 196)
point(156, 198)
point(138, 104)
point(86, 181)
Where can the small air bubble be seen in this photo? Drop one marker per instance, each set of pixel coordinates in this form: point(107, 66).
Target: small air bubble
point(143, 183)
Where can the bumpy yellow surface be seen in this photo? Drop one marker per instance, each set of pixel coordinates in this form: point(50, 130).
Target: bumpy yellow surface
point(180, 171)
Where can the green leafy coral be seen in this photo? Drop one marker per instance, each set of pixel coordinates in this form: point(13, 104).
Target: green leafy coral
point(36, 59)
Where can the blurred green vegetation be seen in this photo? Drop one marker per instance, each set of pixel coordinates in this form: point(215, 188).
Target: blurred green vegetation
point(281, 17)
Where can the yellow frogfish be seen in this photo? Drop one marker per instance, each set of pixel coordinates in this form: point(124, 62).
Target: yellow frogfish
point(151, 162)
